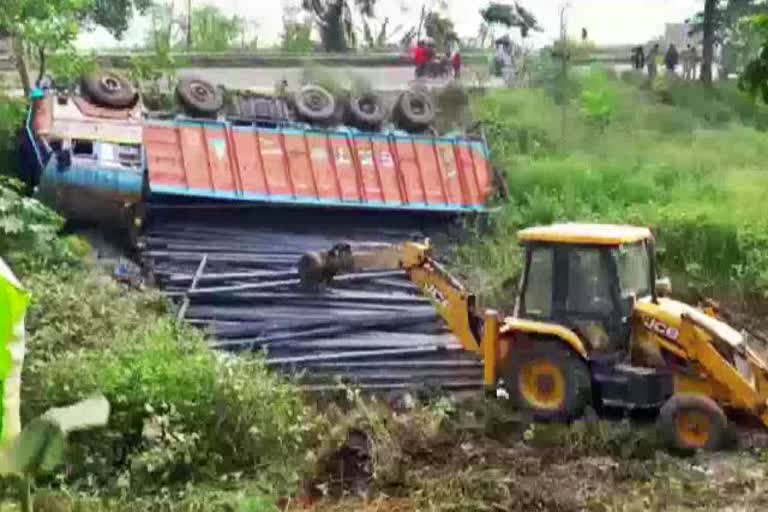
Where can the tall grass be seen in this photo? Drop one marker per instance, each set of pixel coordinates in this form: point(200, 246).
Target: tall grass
point(698, 182)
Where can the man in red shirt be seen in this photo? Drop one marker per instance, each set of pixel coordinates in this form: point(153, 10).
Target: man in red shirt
point(419, 58)
point(456, 61)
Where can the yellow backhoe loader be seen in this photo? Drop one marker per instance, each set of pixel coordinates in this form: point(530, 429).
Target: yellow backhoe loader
point(592, 325)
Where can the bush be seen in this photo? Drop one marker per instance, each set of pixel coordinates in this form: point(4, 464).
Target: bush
point(29, 232)
point(178, 413)
point(12, 114)
point(694, 180)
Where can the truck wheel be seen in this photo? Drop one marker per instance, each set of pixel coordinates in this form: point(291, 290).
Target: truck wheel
point(690, 422)
point(199, 97)
point(109, 89)
point(414, 111)
point(315, 104)
point(548, 380)
point(367, 111)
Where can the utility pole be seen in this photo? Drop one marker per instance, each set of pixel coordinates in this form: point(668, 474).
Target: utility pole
point(189, 25)
point(564, 58)
point(421, 22)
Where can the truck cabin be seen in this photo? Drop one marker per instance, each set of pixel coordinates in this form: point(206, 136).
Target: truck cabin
point(588, 278)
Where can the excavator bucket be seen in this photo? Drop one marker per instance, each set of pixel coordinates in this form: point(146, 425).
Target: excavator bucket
point(319, 268)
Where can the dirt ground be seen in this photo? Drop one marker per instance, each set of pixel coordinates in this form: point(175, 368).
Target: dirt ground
point(502, 464)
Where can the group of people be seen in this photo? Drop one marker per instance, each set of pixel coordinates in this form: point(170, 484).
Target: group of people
point(427, 62)
point(672, 58)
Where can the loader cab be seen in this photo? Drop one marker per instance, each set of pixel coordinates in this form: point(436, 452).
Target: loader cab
point(588, 278)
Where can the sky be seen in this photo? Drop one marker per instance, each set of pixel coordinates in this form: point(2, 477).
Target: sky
point(608, 22)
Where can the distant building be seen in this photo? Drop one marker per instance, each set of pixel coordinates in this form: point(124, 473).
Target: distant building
point(679, 35)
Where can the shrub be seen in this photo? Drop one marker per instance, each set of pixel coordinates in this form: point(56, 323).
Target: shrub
point(694, 180)
point(29, 232)
point(179, 414)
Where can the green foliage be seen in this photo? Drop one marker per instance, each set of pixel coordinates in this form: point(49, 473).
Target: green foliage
point(511, 16)
point(12, 114)
point(693, 178)
point(335, 20)
point(754, 78)
point(178, 413)
point(153, 72)
point(623, 440)
point(29, 232)
point(43, 26)
point(115, 15)
point(297, 38)
point(599, 99)
point(67, 66)
point(212, 30)
point(440, 29)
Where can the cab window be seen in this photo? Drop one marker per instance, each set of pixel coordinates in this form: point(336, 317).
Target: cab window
point(537, 299)
point(589, 282)
point(634, 267)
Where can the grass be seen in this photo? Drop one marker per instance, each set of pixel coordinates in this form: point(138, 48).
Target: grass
point(697, 183)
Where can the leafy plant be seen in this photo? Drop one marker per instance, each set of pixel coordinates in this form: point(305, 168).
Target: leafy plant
point(599, 100)
point(754, 78)
point(29, 231)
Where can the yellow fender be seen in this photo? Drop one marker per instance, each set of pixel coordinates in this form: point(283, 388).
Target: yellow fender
point(568, 337)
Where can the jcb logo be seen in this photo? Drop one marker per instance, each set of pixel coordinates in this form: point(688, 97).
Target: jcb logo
point(660, 328)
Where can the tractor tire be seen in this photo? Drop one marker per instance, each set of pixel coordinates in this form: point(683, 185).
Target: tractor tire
point(316, 104)
point(414, 111)
point(366, 111)
point(690, 422)
point(549, 381)
point(199, 97)
point(109, 89)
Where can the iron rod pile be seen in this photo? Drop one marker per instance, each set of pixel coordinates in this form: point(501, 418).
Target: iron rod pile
point(233, 273)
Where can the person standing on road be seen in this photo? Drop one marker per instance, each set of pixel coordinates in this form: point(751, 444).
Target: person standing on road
point(456, 62)
point(419, 58)
point(686, 56)
point(672, 59)
point(694, 62)
point(653, 57)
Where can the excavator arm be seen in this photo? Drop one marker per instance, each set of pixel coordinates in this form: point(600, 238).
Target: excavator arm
point(450, 298)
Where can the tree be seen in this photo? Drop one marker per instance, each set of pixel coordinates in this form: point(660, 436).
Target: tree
point(212, 30)
point(511, 16)
point(754, 78)
point(708, 53)
point(165, 29)
point(115, 15)
point(52, 25)
point(719, 24)
point(40, 27)
point(441, 30)
point(335, 20)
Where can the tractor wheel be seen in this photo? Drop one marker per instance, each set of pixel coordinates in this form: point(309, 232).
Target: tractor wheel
point(548, 380)
point(109, 89)
point(690, 422)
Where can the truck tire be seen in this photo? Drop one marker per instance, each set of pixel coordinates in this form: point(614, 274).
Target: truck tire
point(108, 88)
point(548, 380)
point(199, 97)
point(315, 104)
point(690, 422)
point(366, 111)
point(414, 111)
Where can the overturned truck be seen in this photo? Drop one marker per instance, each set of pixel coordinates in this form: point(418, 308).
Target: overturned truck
point(222, 197)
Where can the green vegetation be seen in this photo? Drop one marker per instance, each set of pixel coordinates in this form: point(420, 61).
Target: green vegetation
point(687, 162)
point(180, 415)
